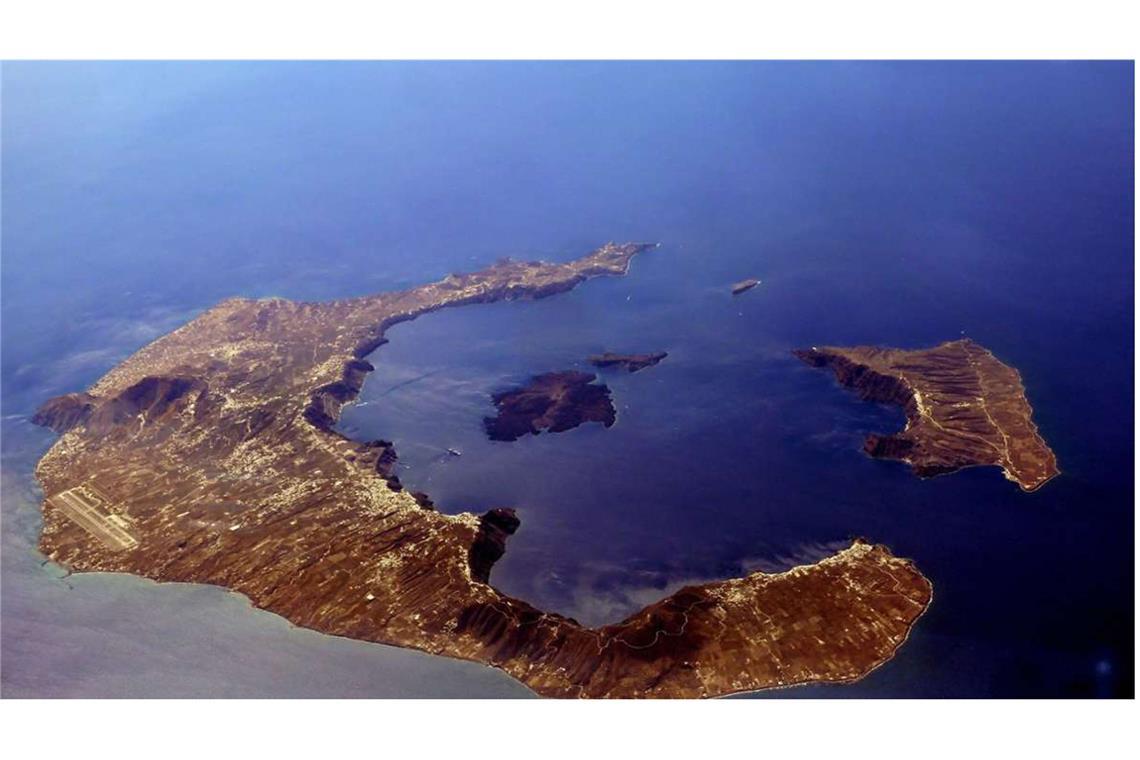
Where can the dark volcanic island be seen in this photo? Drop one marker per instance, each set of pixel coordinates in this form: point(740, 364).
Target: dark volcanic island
point(209, 456)
point(744, 286)
point(628, 362)
point(964, 408)
point(555, 401)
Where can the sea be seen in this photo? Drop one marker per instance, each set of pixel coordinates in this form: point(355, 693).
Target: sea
point(891, 203)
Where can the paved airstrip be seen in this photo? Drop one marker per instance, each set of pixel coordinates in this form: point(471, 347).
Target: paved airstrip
point(87, 508)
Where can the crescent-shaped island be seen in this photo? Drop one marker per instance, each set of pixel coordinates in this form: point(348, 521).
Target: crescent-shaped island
point(964, 408)
point(210, 456)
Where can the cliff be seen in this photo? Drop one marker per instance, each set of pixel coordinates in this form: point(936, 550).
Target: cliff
point(964, 408)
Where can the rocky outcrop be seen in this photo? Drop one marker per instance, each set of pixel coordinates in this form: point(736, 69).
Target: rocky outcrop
point(628, 362)
point(490, 543)
point(146, 400)
point(62, 413)
point(888, 446)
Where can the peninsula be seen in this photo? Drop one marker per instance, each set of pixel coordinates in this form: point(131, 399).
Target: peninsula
point(210, 456)
point(555, 402)
point(964, 408)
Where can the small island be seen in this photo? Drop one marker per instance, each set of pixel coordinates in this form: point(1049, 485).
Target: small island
point(554, 402)
point(744, 285)
point(964, 408)
point(629, 362)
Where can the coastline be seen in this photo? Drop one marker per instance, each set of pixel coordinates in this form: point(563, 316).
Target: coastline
point(471, 620)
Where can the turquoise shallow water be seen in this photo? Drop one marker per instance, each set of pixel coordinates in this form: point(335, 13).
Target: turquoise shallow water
point(118, 636)
point(902, 204)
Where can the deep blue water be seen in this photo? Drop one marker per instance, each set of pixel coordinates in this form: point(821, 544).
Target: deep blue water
point(902, 204)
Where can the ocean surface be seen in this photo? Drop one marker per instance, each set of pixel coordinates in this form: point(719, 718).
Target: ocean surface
point(901, 204)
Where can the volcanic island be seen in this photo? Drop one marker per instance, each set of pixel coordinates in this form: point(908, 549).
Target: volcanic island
point(629, 362)
point(210, 456)
point(744, 286)
point(964, 408)
point(555, 402)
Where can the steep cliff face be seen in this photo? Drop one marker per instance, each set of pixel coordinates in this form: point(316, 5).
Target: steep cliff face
point(717, 638)
point(490, 543)
point(866, 382)
point(324, 408)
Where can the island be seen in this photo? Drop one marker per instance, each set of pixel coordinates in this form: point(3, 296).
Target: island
point(744, 285)
point(210, 456)
point(963, 406)
point(555, 401)
point(628, 362)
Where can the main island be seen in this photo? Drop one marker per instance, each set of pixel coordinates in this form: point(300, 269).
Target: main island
point(210, 456)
